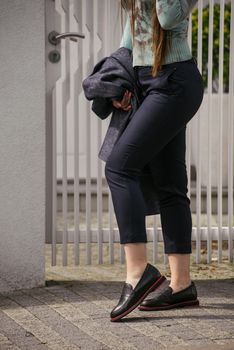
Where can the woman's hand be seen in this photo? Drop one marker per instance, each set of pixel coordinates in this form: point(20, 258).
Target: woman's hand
point(125, 103)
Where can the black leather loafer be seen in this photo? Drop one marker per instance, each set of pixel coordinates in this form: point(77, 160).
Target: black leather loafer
point(167, 300)
point(131, 297)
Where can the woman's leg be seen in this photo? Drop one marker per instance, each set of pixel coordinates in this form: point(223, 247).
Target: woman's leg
point(157, 121)
point(170, 175)
point(170, 178)
point(180, 271)
point(136, 261)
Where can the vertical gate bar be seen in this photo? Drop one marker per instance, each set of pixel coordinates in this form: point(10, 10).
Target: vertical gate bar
point(111, 228)
point(99, 199)
point(165, 259)
point(220, 153)
point(71, 78)
point(121, 248)
point(58, 101)
point(89, 24)
point(76, 185)
point(155, 240)
point(122, 254)
point(189, 126)
point(65, 93)
point(230, 139)
point(198, 143)
point(110, 204)
point(210, 93)
point(54, 179)
point(78, 75)
point(100, 31)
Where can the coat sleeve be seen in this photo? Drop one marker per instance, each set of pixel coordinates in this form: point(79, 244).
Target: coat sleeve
point(102, 107)
point(126, 40)
point(171, 13)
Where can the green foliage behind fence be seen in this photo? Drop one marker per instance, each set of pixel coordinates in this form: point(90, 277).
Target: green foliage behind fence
point(216, 43)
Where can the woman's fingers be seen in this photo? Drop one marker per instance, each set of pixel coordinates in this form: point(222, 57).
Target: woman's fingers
point(127, 108)
point(126, 99)
point(125, 103)
point(117, 104)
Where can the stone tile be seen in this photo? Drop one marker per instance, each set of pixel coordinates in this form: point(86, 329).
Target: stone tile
point(6, 344)
point(142, 342)
point(76, 315)
point(18, 335)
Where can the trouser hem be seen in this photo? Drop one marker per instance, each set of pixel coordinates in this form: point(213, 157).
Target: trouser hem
point(178, 251)
point(133, 241)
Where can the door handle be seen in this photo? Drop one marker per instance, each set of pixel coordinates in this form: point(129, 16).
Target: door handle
point(54, 37)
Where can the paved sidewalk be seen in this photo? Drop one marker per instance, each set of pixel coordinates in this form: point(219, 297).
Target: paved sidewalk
point(73, 314)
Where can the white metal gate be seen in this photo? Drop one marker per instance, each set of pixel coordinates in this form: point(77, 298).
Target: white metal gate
point(77, 173)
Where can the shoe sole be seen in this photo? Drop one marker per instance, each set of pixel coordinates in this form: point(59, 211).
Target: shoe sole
point(159, 281)
point(171, 306)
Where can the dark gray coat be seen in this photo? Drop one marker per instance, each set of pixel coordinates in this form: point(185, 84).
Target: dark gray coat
point(110, 78)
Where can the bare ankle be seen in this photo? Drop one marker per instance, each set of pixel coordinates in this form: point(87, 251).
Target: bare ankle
point(136, 271)
point(180, 285)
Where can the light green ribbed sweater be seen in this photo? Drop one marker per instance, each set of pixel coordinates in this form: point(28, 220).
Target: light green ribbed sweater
point(173, 16)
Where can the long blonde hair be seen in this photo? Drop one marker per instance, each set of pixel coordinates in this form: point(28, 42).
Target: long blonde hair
point(159, 37)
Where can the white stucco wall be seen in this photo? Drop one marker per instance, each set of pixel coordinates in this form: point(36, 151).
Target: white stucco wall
point(22, 144)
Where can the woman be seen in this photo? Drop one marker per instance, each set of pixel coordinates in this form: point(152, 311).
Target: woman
point(172, 87)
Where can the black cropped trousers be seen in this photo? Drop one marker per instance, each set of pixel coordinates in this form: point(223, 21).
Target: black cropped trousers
point(156, 135)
